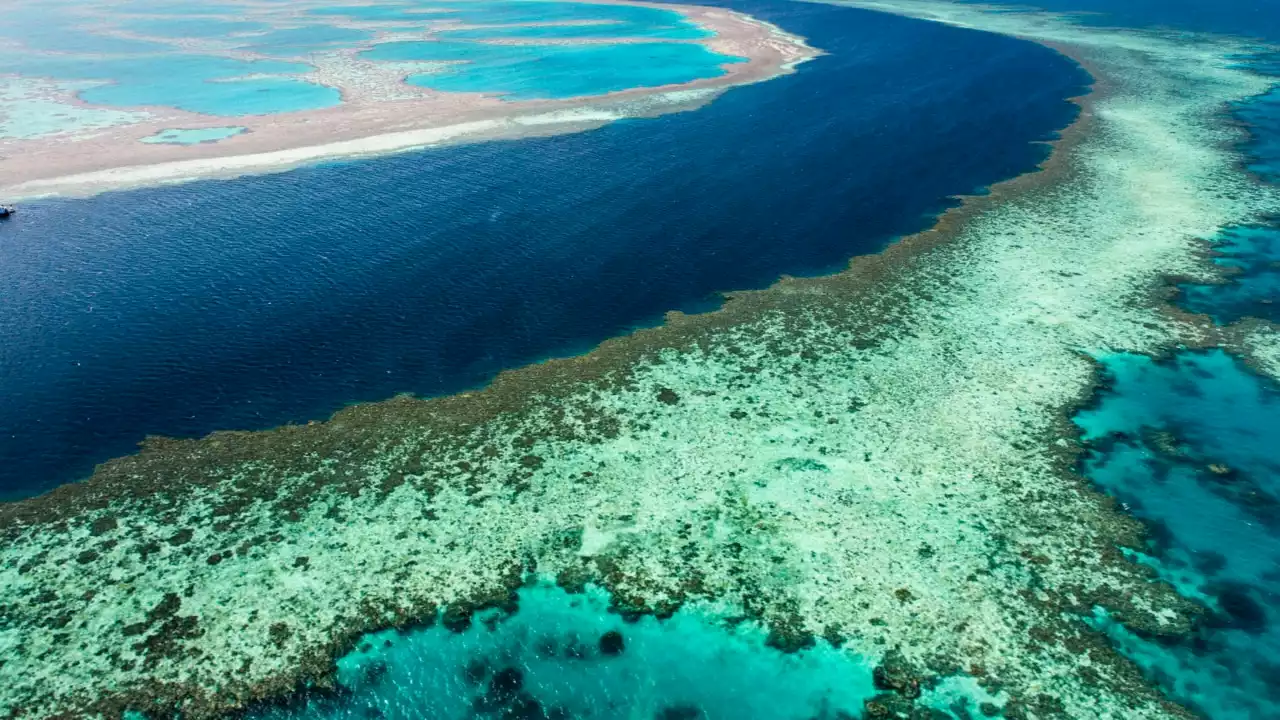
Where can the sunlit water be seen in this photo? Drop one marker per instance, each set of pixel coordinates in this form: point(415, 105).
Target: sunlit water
point(210, 58)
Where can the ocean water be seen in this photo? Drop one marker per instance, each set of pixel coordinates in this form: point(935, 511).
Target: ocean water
point(1190, 444)
point(530, 72)
point(566, 656)
point(256, 302)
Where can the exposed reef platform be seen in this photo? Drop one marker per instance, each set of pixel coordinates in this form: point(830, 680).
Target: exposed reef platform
point(357, 81)
point(882, 459)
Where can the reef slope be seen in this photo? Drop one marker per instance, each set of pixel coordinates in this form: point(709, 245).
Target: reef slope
point(882, 457)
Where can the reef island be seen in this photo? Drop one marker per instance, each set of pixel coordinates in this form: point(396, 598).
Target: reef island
point(881, 461)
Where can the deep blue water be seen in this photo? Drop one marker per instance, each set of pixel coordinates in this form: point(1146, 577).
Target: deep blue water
point(260, 301)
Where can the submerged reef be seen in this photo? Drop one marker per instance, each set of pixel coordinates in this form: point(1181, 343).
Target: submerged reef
point(1189, 445)
point(882, 459)
point(563, 655)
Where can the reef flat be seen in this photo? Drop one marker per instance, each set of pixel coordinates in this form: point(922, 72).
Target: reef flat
point(83, 85)
point(883, 458)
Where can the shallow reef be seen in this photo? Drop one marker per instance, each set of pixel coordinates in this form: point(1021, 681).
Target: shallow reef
point(1250, 258)
point(1189, 445)
point(882, 460)
point(558, 655)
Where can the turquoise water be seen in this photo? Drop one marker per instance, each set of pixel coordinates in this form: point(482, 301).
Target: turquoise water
point(197, 83)
point(1262, 116)
point(379, 12)
point(192, 137)
point(297, 41)
point(1190, 445)
point(226, 98)
point(1252, 253)
point(143, 73)
point(525, 72)
point(563, 655)
point(191, 27)
point(180, 7)
point(623, 21)
point(626, 21)
point(611, 30)
point(50, 29)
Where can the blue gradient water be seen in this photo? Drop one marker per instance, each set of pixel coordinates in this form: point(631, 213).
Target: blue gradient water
point(530, 72)
point(255, 302)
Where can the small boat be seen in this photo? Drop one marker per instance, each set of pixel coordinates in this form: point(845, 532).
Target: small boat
point(7, 210)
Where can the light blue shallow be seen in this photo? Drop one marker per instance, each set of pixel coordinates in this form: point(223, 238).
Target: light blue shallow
point(294, 41)
point(527, 72)
point(689, 661)
point(196, 83)
point(685, 31)
point(177, 136)
point(53, 30)
point(407, 12)
point(623, 21)
point(181, 27)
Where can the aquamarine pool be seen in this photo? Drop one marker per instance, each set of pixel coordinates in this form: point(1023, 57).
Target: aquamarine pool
point(196, 83)
point(527, 72)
